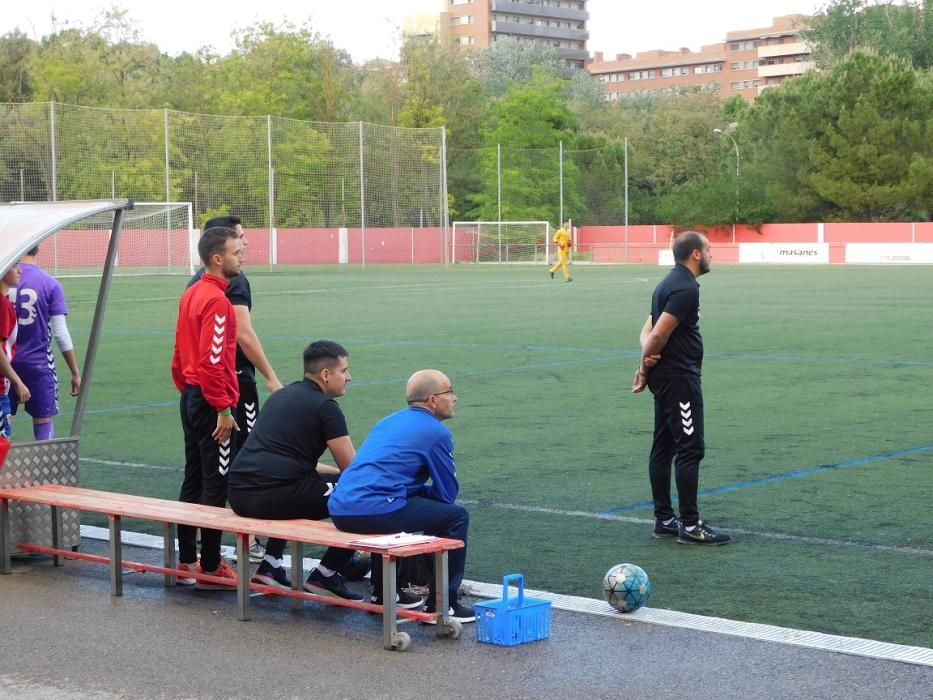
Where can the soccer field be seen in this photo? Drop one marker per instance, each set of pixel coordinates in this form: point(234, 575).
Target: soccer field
point(816, 384)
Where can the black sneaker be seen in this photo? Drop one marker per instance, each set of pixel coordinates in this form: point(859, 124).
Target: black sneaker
point(552, 275)
point(402, 600)
point(701, 534)
point(269, 575)
point(661, 530)
point(570, 279)
point(333, 586)
point(458, 611)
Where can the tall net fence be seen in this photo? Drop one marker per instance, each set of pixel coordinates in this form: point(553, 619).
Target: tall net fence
point(552, 184)
point(300, 187)
point(307, 191)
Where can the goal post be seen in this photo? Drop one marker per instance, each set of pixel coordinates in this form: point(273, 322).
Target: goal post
point(156, 238)
point(507, 242)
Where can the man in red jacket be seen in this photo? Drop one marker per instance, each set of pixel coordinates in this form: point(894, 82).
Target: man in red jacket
point(204, 370)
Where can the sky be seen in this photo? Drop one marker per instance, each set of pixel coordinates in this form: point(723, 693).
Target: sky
point(371, 28)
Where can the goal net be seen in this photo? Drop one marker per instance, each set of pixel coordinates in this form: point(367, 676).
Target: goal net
point(157, 238)
point(501, 241)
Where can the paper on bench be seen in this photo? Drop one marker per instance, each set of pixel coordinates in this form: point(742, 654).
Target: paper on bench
point(399, 539)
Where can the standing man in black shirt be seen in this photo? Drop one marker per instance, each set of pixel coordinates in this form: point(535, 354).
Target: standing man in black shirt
point(249, 353)
point(671, 359)
point(275, 475)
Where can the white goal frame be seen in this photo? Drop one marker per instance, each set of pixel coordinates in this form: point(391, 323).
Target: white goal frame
point(174, 248)
point(480, 236)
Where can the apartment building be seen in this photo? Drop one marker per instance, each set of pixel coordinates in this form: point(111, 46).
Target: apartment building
point(747, 62)
point(560, 24)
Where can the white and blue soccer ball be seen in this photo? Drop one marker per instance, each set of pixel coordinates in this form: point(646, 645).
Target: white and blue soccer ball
point(626, 587)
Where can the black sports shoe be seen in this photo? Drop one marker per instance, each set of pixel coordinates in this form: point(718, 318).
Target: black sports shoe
point(570, 279)
point(269, 575)
point(402, 600)
point(458, 611)
point(333, 586)
point(701, 534)
point(552, 275)
point(661, 530)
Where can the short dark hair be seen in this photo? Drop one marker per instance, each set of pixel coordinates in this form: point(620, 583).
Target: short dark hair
point(34, 251)
point(321, 354)
point(224, 221)
point(213, 241)
point(686, 243)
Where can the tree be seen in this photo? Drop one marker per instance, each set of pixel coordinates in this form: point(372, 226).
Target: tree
point(15, 81)
point(852, 143)
point(286, 71)
point(904, 30)
point(530, 122)
point(508, 60)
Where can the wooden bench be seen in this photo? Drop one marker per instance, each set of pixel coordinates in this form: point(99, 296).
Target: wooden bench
point(117, 506)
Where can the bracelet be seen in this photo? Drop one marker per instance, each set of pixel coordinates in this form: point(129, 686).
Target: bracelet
point(225, 412)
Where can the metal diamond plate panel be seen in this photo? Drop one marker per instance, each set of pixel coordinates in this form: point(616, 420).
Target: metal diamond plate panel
point(29, 464)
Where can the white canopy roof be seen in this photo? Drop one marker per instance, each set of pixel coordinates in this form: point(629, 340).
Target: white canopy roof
point(25, 225)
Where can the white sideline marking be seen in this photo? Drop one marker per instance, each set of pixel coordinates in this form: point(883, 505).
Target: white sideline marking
point(734, 530)
point(657, 616)
point(617, 518)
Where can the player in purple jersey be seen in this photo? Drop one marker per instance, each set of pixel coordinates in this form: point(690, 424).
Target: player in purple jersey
point(41, 310)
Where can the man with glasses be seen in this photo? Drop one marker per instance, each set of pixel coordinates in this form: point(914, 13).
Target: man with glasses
point(403, 479)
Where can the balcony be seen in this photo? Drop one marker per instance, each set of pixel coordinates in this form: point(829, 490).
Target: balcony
point(780, 69)
point(795, 49)
point(525, 8)
point(521, 29)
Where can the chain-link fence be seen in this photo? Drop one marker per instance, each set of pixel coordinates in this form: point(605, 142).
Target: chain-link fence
point(306, 179)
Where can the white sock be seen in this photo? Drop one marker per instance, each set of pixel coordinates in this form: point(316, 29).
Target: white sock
point(690, 528)
point(275, 563)
point(668, 522)
point(325, 572)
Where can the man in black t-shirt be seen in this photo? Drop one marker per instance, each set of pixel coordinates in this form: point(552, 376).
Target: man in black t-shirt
point(672, 357)
point(249, 353)
point(275, 475)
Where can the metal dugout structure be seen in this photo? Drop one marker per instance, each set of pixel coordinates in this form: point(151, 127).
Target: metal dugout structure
point(23, 226)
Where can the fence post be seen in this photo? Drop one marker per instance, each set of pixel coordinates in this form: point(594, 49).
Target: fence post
point(445, 214)
point(273, 253)
point(560, 164)
point(362, 204)
point(168, 167)
point(53, 150)
point(626, 197)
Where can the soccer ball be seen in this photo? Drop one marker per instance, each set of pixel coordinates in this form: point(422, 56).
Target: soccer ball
point(626, 587)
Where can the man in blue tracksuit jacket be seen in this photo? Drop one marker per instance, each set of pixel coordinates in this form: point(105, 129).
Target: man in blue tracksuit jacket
point(403, 479)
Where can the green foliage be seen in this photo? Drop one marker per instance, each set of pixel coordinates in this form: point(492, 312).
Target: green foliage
point(904, 30)
point(530, 117)
point(851, 143)
point(508, 60)
point(15, 80)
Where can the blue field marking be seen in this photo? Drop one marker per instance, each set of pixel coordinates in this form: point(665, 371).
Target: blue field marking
point(796, 474)
point(526, 347)
point(370, 382)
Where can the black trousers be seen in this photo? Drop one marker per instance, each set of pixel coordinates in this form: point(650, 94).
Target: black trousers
point(301, 499)
point(247, 409)
point(678, 438)
point(205, 482)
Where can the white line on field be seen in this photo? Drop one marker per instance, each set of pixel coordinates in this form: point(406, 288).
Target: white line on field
point(615, 518)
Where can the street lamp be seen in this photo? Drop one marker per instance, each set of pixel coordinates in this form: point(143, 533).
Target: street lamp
point(735, 217)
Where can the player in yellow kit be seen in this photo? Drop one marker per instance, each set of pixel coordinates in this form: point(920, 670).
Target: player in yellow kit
point(562, 239)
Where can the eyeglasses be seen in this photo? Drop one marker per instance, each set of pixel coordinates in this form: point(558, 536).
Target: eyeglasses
point(441, 393)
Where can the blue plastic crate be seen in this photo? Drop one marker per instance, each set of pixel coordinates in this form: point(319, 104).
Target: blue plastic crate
point(512, 621)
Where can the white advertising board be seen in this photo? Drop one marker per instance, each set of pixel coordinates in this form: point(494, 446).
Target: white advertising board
point(889, 253)
point(666, 257)
point(784, 253)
